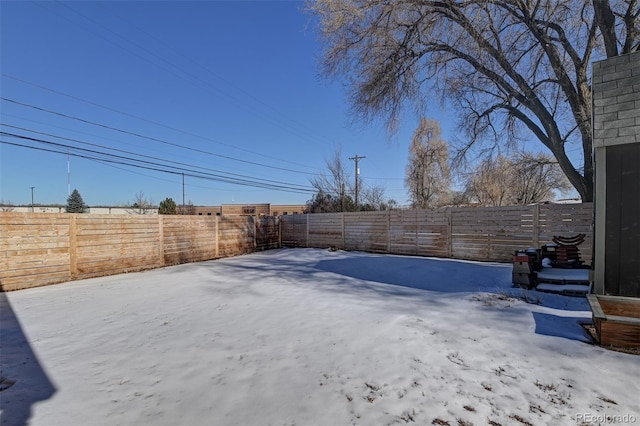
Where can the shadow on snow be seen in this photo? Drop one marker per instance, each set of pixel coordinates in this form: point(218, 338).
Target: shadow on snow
point(558, 326)
point(24, 381)
point(441, 275)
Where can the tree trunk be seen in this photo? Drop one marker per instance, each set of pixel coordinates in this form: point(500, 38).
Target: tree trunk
point(607, 25)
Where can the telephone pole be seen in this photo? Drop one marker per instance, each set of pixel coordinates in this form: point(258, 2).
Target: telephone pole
point(356, 159)
point(32, 205)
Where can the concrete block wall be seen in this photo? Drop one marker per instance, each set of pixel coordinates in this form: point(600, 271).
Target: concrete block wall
point(616, 145)
point(616, 100)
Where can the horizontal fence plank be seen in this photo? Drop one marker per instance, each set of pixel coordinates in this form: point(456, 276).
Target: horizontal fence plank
point(44, 248)
point(47, 248)
point(475, 233)
point(294, 230)
point(34, 249)
point(34, 280)
point(18, 219)
point(189, 238)
point(107, 244)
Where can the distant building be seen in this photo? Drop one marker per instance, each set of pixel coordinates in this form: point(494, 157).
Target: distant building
point(94, 210)
point(246, 209)
point(208, 210)
point(263, 209)
point(285, 209)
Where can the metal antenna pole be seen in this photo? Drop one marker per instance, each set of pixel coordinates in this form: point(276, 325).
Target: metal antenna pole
point(68, 174)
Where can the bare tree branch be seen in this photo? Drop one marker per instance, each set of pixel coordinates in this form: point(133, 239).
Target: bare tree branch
point(507, 65)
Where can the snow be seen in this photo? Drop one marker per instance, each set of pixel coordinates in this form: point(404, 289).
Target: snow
point(576, 289)
point(307, 337)
point(560, 274)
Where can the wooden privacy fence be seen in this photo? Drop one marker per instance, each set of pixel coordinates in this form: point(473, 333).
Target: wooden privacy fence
point(45, 248)
point(474, 233)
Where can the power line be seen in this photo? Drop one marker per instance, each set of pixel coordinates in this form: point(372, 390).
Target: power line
point(134, 153)
point(93, 135)
point(87, 134)
point(198, 176)
point(121, 168)
point(227, 83)
point(65, 149)
point(170, 181)
point(155, 123)
point(146, 120)
point(93, 123)
point(202, 83)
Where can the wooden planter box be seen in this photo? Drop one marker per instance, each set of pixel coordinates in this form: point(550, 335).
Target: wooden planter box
point(616, 320)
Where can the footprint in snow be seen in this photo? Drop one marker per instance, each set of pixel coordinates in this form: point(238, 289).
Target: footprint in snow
point(455, 358)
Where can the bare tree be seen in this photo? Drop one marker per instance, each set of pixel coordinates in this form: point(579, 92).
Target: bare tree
point(506, 65)
point(488, 184)
point(428, 177)
point(335, 183)
point(374, 198)
point(522, 179)
point(6, 207)
point(187, 209)
point(534, 178)
point(336, 190)
point(141, 205)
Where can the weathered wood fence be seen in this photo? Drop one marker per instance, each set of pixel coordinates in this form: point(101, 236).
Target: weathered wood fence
point(487, 233)
point(45, 248)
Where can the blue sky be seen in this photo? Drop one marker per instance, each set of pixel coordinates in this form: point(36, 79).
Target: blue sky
point(230, 90)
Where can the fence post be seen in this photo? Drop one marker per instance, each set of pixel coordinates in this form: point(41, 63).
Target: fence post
point(449, 233)
point(536, 226)
point(217, 236)
point(344, 238)
point(73, 247)
point(417, 245)
point(255, 232)
point(307, 231)
point(388, 231)
point(161, 239)
point(489, 239)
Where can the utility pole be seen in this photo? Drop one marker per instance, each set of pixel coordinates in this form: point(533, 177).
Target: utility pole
point(356, 159)
point(32, 205)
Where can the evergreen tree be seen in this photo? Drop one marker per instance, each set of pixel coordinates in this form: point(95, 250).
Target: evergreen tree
point(168, 206)
point(75, 203)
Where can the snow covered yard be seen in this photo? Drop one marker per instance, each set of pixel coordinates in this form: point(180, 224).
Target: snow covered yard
point(307, 337)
